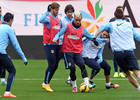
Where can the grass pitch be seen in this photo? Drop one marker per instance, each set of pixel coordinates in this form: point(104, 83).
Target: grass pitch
point(28, 80)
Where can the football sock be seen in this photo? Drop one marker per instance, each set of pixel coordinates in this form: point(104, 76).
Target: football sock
point(69, 78)
point(138, 88)
point(7, 92)
point(2, 79)
point(74, 83)
point(90, 79)
point(86, 79)
point(45, 84)
point(108, 84)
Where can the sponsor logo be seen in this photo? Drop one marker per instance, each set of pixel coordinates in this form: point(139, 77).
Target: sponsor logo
point(119, 24)
point(56, 27)
point(73, 37)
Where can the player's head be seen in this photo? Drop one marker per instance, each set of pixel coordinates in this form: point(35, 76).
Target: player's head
point(8, 17)
point(69, 10)
point(105, 34)
point(0, 11)
point(77, 18)
point(120, 7)
point(118, 14)
point(55, 8)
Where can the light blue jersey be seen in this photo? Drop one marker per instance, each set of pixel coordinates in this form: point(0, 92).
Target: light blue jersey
point(1, 18)
point(7, 34)
point(122, 35)
point(90, 50)
point(64, 21)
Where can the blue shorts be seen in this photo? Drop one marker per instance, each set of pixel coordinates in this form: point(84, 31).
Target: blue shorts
point(92, 63)
point(6, 62)
point(126, 60)
point(72, 58)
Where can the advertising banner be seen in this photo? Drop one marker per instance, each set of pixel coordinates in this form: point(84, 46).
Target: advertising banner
point(94, 12)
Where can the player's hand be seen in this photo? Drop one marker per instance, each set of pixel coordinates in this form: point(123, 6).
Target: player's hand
point(95, 42)
point(54, 41)
point(25, 63)
point(107, 40)
point(49, 8)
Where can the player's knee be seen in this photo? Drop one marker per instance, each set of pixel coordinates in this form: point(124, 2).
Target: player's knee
point(81, 66)
point(94, 72)
point(14, 71)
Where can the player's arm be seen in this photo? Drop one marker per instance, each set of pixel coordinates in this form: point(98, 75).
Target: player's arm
point(100, 40)
point(99, 54)
point(16, 45)
point(136, 35)
point(60, 23)
point(87, 35)
point(61, 32)
point(44, 18)
point(105, 27)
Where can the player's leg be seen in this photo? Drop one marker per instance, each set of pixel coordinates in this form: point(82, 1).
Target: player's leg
point(127, 60)
point(132, 62)
point(79, 61)
point(3, 73)
point(115, 66)
point(73, 79)
point(69, 64)
point(132, 80)
point(94, 66)
point(0, 74)
point(8, 65)
point(50, 51)
point(107, 68)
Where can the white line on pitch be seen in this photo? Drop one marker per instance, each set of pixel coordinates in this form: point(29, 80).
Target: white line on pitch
point(79, 79)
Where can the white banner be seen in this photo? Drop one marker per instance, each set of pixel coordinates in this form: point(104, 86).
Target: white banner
point(95, 13)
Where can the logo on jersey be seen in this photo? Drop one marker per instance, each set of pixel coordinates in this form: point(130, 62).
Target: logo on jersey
point(93, 18)
point(73, 37)
point(119, 24)
point(52, 51)
point(56, 27)
point(73, 34)
point(69, 64)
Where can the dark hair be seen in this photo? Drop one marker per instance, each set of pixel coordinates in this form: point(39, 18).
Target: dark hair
point(118, 14)
point(54, 5)
point(0, 7)
point(8, 16)
point(120, 7)
point(69, 7)
point(107, 31)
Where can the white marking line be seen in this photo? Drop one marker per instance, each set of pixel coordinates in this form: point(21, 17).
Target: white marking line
point(76, 79)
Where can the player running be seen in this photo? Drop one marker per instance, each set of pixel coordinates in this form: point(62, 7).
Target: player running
point(72, 48)
point(92, 55)
point(7, 34)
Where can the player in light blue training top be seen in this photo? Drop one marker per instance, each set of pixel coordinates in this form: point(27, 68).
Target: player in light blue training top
point(93, 58)
point(115, 65)
point(69, 10)
point(7, 34)
point(2, 70)
point(122, 36)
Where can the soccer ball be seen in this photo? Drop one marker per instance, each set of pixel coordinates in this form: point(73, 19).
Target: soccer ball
point(84, 87)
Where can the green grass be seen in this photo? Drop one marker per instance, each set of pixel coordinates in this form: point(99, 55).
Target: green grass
point(28, 80)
